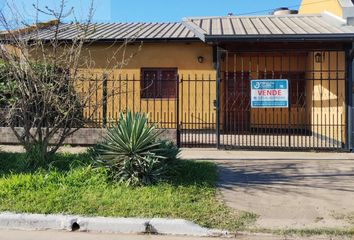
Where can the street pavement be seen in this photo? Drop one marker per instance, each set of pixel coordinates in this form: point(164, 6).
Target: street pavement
point(51, 235)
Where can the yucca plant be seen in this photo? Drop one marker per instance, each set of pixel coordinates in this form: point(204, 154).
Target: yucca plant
point(133, 152)
point(141, 171)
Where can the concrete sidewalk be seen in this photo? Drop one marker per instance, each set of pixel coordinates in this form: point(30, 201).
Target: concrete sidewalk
point(20, 149)
point(291, 193)
point(213, 154)
point(296, 190)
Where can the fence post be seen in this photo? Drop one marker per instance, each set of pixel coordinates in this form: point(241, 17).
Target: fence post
point(178, 127)
point(104, 101)
point(217, 105)
point(352, 95)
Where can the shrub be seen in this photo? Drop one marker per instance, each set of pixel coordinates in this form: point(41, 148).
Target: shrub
point(38, 97)
point(133, 152)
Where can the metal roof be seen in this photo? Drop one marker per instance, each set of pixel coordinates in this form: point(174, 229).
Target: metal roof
point(304, 26)
point(116, 31)
point(298, 27)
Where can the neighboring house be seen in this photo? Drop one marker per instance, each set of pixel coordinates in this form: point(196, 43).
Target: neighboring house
point(196, 76)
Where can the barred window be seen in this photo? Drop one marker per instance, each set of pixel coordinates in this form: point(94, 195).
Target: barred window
point(158, 82)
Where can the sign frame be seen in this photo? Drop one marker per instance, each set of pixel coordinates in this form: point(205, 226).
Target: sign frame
point(276, 93)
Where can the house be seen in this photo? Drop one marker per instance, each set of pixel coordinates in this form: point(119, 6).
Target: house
point(280, 81)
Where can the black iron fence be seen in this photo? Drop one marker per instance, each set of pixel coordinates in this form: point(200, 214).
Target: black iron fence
point(315, 117)
point(122, 93)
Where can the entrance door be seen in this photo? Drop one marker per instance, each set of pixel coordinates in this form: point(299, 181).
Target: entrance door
point(237, 104)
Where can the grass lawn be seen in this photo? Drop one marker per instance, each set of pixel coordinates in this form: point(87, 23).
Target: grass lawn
point(73, 186)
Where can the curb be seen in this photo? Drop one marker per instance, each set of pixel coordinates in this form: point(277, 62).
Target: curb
point(182, 227)
point(17, 221)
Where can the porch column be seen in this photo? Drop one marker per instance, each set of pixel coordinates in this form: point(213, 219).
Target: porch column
point(219, 51)
point(349, 97)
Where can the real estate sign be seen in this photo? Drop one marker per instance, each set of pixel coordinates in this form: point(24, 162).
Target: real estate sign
point(270, 93)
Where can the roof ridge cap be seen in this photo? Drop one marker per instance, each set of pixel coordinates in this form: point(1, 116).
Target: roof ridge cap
point(123, 22)
point(251, 16)
point(334, 19)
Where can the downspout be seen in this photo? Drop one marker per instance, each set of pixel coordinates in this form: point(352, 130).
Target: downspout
point(348, 16)
point(352, 92)
point(217, 53)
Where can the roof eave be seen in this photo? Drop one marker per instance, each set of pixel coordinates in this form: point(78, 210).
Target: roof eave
point(281, 38)
point(187, 39)
point(111, 40)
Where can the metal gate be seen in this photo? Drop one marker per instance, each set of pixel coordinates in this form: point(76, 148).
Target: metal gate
point(219, 113)
point(197, 118)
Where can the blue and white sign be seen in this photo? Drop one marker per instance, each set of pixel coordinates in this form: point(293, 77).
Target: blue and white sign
point(270, 93)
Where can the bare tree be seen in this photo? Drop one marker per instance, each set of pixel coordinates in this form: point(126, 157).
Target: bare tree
point(45, 83)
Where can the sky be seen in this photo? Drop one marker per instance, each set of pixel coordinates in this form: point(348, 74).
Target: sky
point(148, 10)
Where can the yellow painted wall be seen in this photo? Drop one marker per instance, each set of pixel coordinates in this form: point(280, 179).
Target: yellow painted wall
point(326, 96)
point(195, 107)
point(318, 6)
